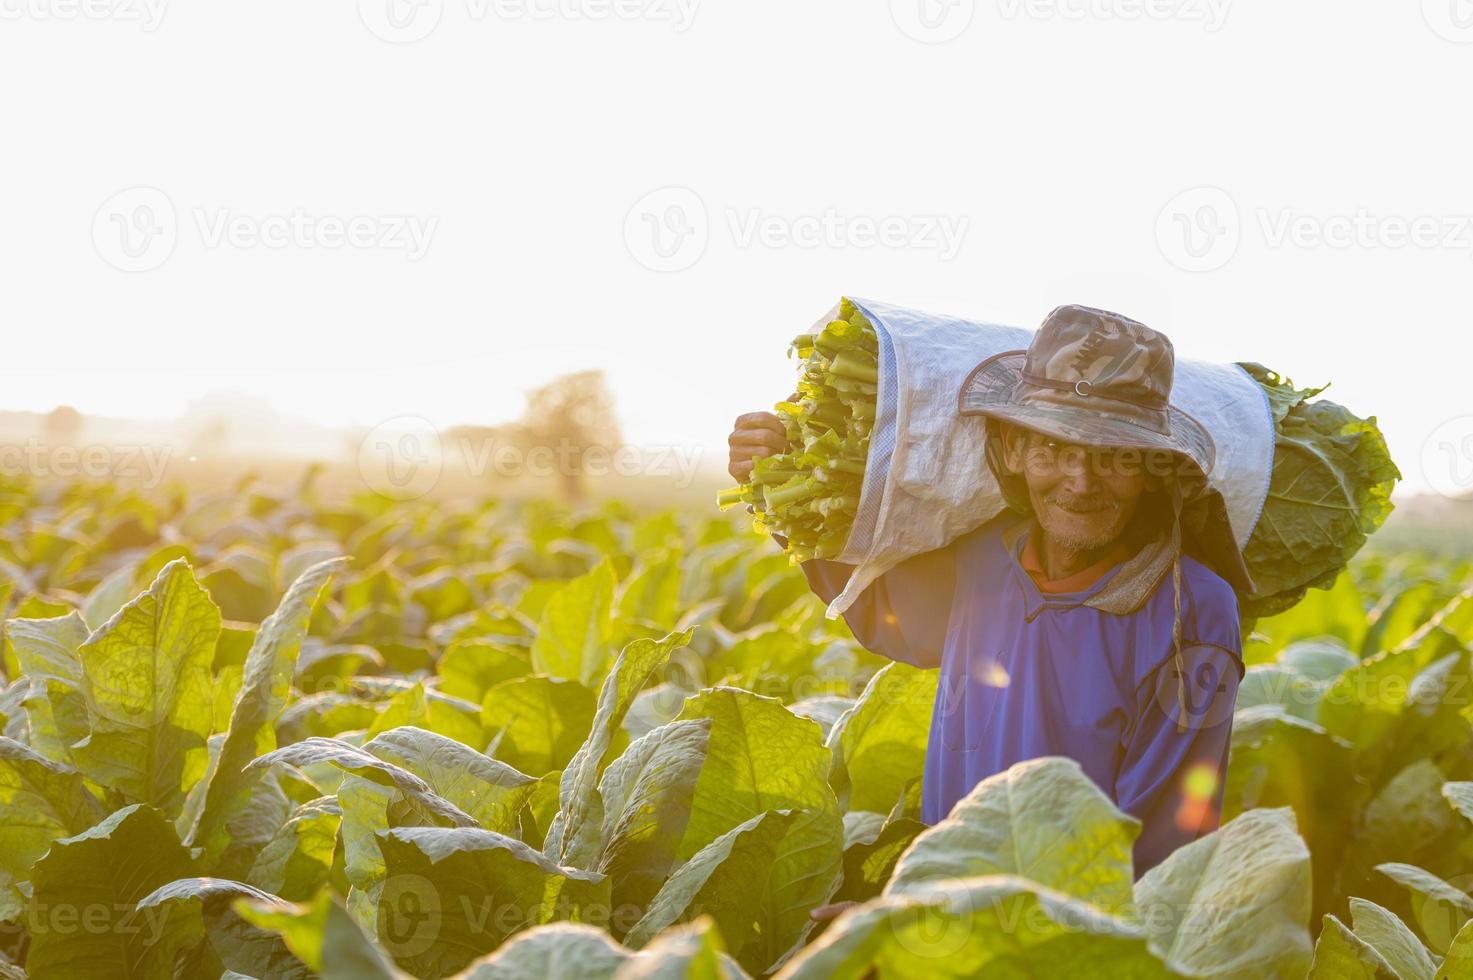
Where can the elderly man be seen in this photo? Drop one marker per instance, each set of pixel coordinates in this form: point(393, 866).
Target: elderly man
point(1096, 618)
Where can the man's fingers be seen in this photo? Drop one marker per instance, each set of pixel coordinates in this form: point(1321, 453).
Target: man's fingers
point(762, 443)
point(759, 421)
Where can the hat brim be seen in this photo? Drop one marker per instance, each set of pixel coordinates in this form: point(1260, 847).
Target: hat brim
point(995, 389)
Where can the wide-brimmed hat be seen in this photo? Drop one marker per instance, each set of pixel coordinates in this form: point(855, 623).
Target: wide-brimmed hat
point(1096, 378)
point(1093, 378)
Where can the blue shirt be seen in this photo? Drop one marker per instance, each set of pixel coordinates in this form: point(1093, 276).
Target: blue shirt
point(1027, 674)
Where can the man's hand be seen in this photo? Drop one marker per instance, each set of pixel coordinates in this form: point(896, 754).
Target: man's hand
point(757, 435)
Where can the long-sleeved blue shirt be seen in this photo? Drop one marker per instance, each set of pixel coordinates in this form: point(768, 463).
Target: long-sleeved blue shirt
point(1026, 674)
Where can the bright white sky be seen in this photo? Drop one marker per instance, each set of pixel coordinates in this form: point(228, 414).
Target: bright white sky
point(525, 133)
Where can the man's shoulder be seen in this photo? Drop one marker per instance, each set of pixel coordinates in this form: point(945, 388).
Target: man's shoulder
point(1210, 604)
point(987, 536)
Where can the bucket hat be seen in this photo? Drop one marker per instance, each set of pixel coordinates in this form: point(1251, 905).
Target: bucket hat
point(1099, 379)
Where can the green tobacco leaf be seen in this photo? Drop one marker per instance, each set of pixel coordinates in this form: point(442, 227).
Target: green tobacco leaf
point(1044, 820)
point(104, 871)
point(365, 796)
point(45, 650)
point(997, 925)
point(1276, 685)
point(253, 827)
point(147, 687)
point(880, 745)
point(1440, 909)
point(1460, 796)
point(762, 757)
point(1234, 903)
point(1317, 660)
point(469, 668)
point(645, 799)
point(360, 762)
point(690, 952)
point(1390, 937)
point(576, 628)
point(721, 880)
point(573, 839)
point(40, 801)
point(295, 863)
point(1407, 812)
point(108, 596)
point(1330, 488)
point(1400, 614)
point(652, 594)
point(453, 894)
point(1337, 613)
point(561, 949)
point(1340, 954)
point(430, 710)
point(491, 792)
point(240, 945)
point(1458, 964)
point(870, 863)
point(266, 684)
point(537, 723)
point(1368, 704)
point(323, 936)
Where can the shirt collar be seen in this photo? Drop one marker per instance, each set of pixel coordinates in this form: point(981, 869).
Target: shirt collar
point(1081, 580)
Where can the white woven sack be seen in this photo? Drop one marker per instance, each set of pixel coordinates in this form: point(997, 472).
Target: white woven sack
point(926, 479)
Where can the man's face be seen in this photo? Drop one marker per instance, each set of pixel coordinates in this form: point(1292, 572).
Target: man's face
point(1083, 497)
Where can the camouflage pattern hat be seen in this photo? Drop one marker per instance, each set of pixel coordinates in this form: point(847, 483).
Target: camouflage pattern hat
point(1092, 378)
point(1095, 378)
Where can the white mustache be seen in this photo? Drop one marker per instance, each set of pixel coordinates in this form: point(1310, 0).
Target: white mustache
point(1082, 505)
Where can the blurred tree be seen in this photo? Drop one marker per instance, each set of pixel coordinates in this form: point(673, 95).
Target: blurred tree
point(62, 425)
point(564, 419)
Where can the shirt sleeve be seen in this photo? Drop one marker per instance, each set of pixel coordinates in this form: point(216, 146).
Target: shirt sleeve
point(1176, 754)
point(903, 614)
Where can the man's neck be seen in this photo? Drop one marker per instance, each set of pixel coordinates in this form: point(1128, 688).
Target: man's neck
point(1060, 560)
